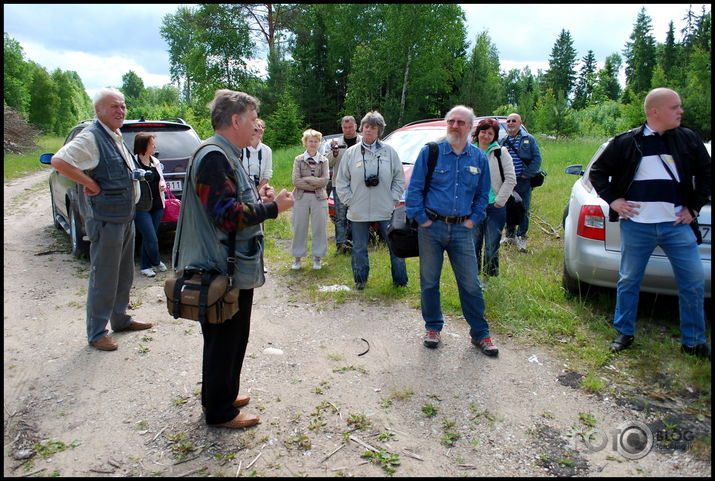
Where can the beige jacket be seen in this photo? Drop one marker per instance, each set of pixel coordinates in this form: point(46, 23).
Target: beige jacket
point(304, 179)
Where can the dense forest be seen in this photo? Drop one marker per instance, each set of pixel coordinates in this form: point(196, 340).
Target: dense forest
point(328, 60)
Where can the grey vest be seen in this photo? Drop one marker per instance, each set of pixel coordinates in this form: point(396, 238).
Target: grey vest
point(200, 243)
point(115, 203)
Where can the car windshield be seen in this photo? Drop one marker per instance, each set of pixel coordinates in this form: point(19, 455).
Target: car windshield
point(171, 142)
point(408, 143)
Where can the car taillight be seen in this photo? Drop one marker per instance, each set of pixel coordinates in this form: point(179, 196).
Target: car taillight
point(592, 223)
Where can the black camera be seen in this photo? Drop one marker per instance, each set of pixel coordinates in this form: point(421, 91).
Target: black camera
point(372, 180)
point(256, 180)
point(141, 174)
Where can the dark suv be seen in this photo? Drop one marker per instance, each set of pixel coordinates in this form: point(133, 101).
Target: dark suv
point(175, 140)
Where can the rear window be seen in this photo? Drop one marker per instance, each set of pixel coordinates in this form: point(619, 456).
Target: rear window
point(408, 143)
point(172, 142)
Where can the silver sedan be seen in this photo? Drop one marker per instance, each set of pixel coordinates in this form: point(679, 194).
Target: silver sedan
point(592, 244)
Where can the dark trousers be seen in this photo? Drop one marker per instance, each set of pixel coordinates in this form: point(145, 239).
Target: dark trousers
point(224, 350)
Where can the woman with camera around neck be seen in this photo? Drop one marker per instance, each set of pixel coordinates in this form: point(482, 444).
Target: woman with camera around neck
point(310, 176)
point(150, 208)
point(503, 181)
point(370, 181)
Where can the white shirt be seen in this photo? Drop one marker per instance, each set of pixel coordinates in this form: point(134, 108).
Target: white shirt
point(82, 152)
point(264, 168)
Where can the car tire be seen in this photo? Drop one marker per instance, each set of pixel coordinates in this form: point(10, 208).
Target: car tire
point(572, 286)
point(79, 246)
point(56, 223)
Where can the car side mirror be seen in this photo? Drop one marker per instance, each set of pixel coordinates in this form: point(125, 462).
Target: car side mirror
point(575, 169)
point(46, 159)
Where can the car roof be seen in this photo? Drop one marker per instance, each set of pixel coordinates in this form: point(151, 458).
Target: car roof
point(441, 123)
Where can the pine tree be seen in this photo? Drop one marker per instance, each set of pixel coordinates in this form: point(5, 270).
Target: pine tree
point(640, 55)
point(561, 74)
point(586, 82)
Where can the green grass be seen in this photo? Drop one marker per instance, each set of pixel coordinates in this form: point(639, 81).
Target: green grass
point(526, 301)
point(23, 164)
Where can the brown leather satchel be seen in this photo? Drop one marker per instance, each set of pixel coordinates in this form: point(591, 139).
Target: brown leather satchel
point(201, 295)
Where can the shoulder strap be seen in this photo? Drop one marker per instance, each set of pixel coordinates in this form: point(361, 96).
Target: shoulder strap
point(431, 163)
point(501, 169)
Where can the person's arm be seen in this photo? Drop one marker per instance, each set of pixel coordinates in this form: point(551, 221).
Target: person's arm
point(398, 178)
point(481, 198)
point(342, 181)
point(267, 173)
point(507, 187)
point(216, 188)
point(535, 163)
point(415, 199)
point(91, 187)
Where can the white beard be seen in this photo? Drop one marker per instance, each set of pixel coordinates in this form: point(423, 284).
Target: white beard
point(455, 139)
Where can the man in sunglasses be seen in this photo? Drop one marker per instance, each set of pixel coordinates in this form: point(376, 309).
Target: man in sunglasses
point(447, 211)
point(525, 153)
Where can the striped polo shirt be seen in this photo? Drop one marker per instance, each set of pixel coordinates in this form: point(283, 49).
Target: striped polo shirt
point(518, 163)
point(653, 186)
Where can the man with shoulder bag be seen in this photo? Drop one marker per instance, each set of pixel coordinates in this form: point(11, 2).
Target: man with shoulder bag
point(221, 206)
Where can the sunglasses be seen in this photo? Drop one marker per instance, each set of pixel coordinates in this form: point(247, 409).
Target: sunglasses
point(460, 123)
point(511, 121)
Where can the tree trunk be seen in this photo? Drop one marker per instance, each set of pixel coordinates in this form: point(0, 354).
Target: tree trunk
point(404, 86)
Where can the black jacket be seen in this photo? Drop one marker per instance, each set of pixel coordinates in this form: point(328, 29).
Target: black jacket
point(621, 158)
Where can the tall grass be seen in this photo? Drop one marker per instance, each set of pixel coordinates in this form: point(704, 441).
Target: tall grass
point(526, 301)
point(18, 165)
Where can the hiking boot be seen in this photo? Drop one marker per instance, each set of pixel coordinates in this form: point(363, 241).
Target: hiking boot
point(521, 243)
point(431, 339)
point(296, 264)
point(486, 346)
point(316, 263)
point(149, 272)
point(700, 350)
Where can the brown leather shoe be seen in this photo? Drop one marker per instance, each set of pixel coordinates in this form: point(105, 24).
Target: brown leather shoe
point(243, 420)
point(241, 401)
point(136, 326)
point(104, 344)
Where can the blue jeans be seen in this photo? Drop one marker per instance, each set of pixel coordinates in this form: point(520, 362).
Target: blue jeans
point(638, 241)
point(488, 233)
point(341, 220)
point(147, 223)
point(523, 188)
point(360, 261)
point(458, 241)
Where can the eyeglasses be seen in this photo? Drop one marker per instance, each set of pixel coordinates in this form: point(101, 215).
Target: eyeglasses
point(460, 123)
point(509, 121)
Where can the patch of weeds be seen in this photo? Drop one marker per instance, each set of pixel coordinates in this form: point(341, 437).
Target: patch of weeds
point(386, 436)
point(585, 429)
point(401, 395)
point(75, 304)
point(386, 403)
point(188, 332)
point(319, 388)
point(224, 458)
point(335, 357)
point(300, 440)
point(592, 383)
point(178, 401)
point(434, 396)
point(345, 369)
point(49, 447)
point(143, 350)
point(141, 425)
point(360, 421)
point(180, 446)
point(430, 410)
point(147, 338)
point(449, 437)
point(385, 459)
point(548, 415)
point(482, 414)
point(316, 423)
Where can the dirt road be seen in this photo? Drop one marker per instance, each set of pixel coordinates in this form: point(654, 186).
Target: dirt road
point(76, 411)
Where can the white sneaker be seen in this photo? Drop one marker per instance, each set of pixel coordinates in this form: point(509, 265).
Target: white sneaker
point(149, 272)
point(161, 267)
point(316, 263)
point(506, 241)
point(521, 243)
point(296, 265)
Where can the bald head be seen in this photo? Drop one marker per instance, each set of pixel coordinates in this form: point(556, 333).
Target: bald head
point(663, 109)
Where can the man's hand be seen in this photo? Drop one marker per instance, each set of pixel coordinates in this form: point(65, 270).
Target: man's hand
point(267, 193)
point(684, 217)
point(426, 224)
point(92, 189)
point(284, 200)
point(625, 208)
point(468, 224)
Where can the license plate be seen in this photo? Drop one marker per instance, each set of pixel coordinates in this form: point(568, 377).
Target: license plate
point(175, 185)
point(705, 232)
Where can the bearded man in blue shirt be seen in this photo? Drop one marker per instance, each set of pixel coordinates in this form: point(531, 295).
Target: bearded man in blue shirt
point(447, 212)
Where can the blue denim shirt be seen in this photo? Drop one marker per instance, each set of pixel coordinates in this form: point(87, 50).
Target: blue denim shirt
point(460, 184)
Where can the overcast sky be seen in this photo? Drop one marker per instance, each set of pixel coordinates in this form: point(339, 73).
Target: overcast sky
point(103, 42)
